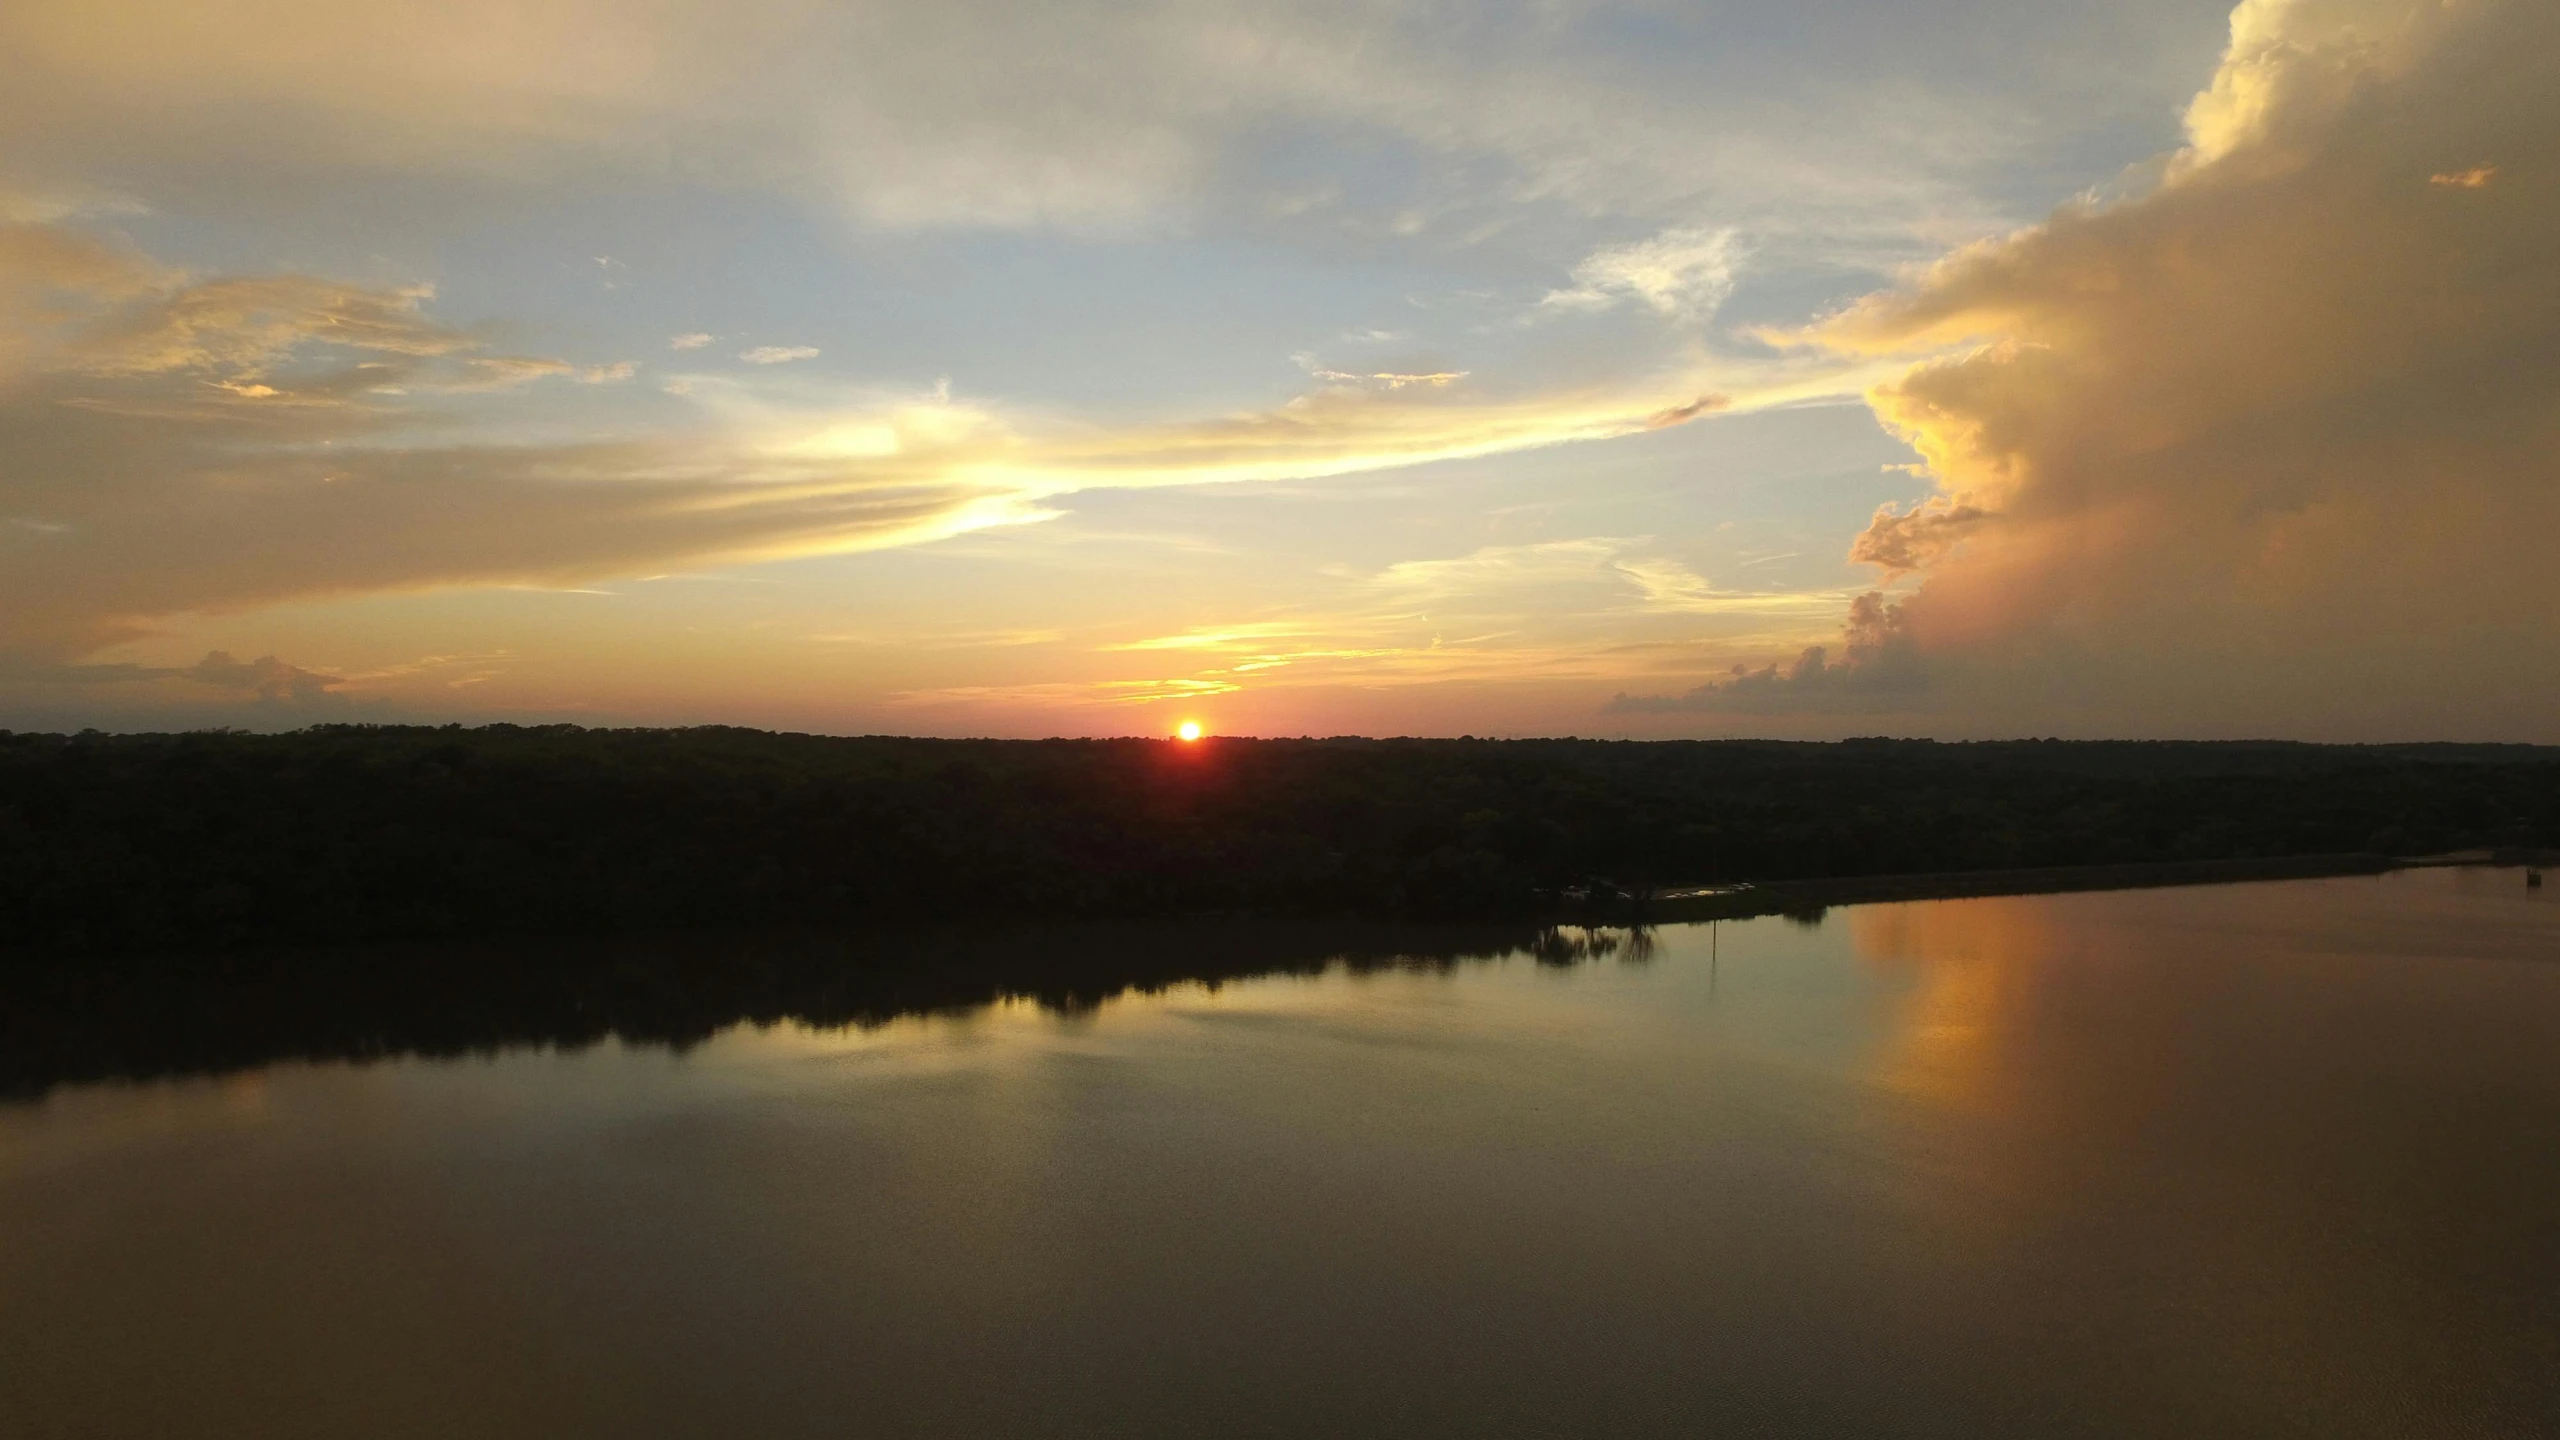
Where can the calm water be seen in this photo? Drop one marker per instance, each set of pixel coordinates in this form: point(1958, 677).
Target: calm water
point(2248, 1160)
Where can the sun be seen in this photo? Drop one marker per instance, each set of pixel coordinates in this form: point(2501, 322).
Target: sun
point(1188, 730)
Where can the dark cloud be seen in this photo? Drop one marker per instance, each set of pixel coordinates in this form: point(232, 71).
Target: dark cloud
point(267, 677)
point(1878, 669)
point(1903, 540)
point(220, 688)
point(1683, 414)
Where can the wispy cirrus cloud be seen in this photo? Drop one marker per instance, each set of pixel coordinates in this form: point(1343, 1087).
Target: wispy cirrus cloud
point(211, 445)
point(1681, 273)
point(1392, 380)
point(1590, 610)
point(1099, 120)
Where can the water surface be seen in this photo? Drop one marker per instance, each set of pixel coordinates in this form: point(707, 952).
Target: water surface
point(2277, 1159)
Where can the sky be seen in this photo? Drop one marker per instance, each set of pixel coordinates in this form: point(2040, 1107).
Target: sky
point(1980, 368)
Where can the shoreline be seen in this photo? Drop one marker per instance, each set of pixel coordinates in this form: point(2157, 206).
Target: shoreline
point(1812, 897)
point(91, 1018)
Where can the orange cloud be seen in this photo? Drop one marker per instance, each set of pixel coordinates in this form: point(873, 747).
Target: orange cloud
point(2268, 447)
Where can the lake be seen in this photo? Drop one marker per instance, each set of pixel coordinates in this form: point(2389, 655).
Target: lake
point(2269, 1159)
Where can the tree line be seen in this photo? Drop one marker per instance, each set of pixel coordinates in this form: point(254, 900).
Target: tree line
point(346, 834)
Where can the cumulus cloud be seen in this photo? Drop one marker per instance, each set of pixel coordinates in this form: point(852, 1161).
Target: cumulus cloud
point(693, 341)
point(2268, 446)
point(778, 354)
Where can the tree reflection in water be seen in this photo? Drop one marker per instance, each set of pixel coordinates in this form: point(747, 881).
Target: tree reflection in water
point(1565, 946)
point(72, 1020)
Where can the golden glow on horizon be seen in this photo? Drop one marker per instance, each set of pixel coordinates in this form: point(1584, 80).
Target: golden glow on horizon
point(1188, 730)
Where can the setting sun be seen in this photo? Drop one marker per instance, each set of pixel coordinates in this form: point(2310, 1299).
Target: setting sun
point(1187, 730)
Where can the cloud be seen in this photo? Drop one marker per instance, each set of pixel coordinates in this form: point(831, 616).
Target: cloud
point(1090, 118)
point(1222, 638)
point(1682, 414)
point(236, 331)
point(778, 354)
point(267, 677)
point(1879, 669)
point(274, 685)
point(2266, 448)
point(183, 445)
point(1489, 575)
point(1563, 616)
point(347, 442)
point(1670, 587)
point(500, 372)
point(1684, 273)
point(1392, 380)
point(65, 202)
point(693, 341)
point(1903, 539)
point(77, 304)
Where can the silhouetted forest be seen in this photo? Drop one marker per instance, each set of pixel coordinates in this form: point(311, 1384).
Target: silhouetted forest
point(344, 834)
point(136, 1015)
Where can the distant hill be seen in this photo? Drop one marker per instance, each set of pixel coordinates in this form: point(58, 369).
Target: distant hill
point(364, 833)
